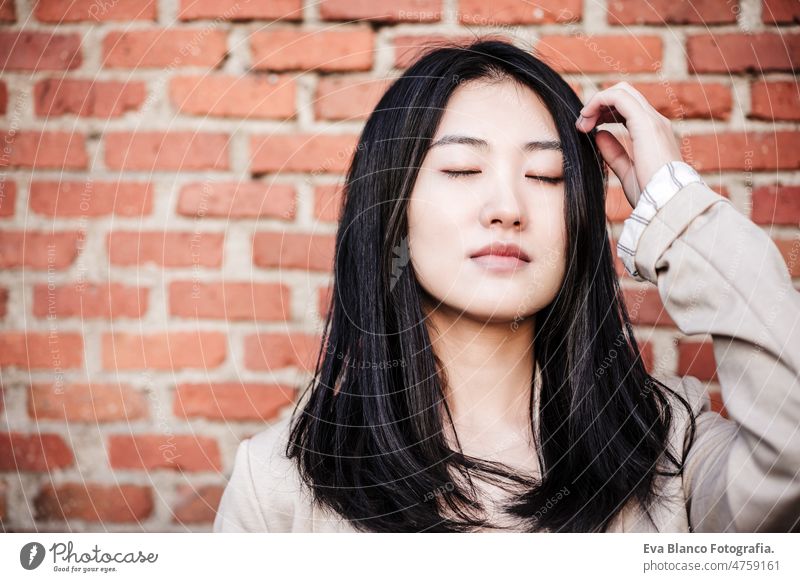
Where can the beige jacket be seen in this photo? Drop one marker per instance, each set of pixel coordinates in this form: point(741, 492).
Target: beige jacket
point(717, 273)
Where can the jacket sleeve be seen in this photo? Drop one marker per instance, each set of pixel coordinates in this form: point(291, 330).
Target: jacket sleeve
point(239, 509)
point(718, 273)
point(663, 185)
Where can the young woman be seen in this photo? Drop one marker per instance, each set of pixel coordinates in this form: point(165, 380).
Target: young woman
point(479, 370)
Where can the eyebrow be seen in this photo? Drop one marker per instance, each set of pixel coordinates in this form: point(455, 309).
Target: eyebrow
point(531, 146)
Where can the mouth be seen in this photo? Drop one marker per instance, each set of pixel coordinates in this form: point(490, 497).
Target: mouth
point(501, 257)
point(500, 263)
point(502, 249)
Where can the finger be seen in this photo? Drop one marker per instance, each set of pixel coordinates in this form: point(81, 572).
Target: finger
point(636, 94)
point(619, 161)
point(623, 136)
point(609, 115)
point(624, 103)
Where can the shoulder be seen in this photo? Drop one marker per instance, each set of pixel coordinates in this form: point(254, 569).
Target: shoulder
point(267, 448)
point(264, 492)
point(275, 477)
point(694, 392)
point(692, 389)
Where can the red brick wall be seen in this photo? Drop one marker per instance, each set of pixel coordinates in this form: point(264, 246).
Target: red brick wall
point(167, 209)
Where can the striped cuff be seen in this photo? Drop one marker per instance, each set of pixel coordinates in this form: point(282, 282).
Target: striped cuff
point(665, 183)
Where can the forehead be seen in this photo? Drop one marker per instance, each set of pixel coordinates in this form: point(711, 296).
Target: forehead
point(502, 112)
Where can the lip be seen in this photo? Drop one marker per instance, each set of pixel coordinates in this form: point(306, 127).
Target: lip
point(502, 249)
point(500, 264)
point(501, 257)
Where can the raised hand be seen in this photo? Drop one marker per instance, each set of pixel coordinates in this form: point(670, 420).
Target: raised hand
point(653, 140)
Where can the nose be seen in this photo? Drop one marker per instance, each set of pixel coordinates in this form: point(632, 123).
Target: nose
point(502, 206)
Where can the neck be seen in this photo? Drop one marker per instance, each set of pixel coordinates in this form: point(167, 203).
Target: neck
point(489, 368)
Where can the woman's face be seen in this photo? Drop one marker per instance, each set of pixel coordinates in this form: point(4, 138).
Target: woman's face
point(502, 199)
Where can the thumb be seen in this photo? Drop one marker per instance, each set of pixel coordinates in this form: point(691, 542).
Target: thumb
point(619, 161)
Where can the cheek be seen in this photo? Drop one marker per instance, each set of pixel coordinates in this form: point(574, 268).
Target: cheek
point(550, 239)
point(434, 238)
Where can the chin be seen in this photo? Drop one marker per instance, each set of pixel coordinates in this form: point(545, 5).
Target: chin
point(497, 317)
point(494, 312)
point(489, 301)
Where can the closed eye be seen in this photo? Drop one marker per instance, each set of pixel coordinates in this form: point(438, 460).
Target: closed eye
point(546, 179)
point(459, 173)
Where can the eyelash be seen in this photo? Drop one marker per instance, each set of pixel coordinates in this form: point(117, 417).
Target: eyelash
point(458, 173)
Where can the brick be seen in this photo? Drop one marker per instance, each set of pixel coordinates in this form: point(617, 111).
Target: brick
point(617, 206)
point(776, 204)
point(284, 250)
point(661, 12)
point(94, 502)
point(324, 296)
point(87, 98)
point(697, 359)
point(408, 48)
point(249, 97)
point(774, 100)
point(744, 151)
point(479, 13)
point(275, 351)
point(34, 452)
point(41, 350)
point(197, 504)
point(232, 401)
point(38, 250)
point(302, 153)
point(348, 97)
point(154, 451)
point(45, 150)
point(59, 12)
point(3, 98)
point(645, 307)
point(230, 301)
point(291, 49)
point(167, 47)
point(236, 10)
point(790, 250)
point(238, 200)
point(743, 53)
point(3, 489)
point(647, 355)
point(382, 10)
point(164, 351)
point(39, 51)
point(3, 312)
point(89, 301)
point(619, 267)
point(328, 201)
point(587, 54)
point(8, 13)
point(686, 99)
point(166, 249)
point(8, 197)
point(83, 402)
point(780, 12)
point(66, 199)
point(717, 404)
point(177, 150)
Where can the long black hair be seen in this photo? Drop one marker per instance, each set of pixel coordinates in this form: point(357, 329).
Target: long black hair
point(368, 434)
